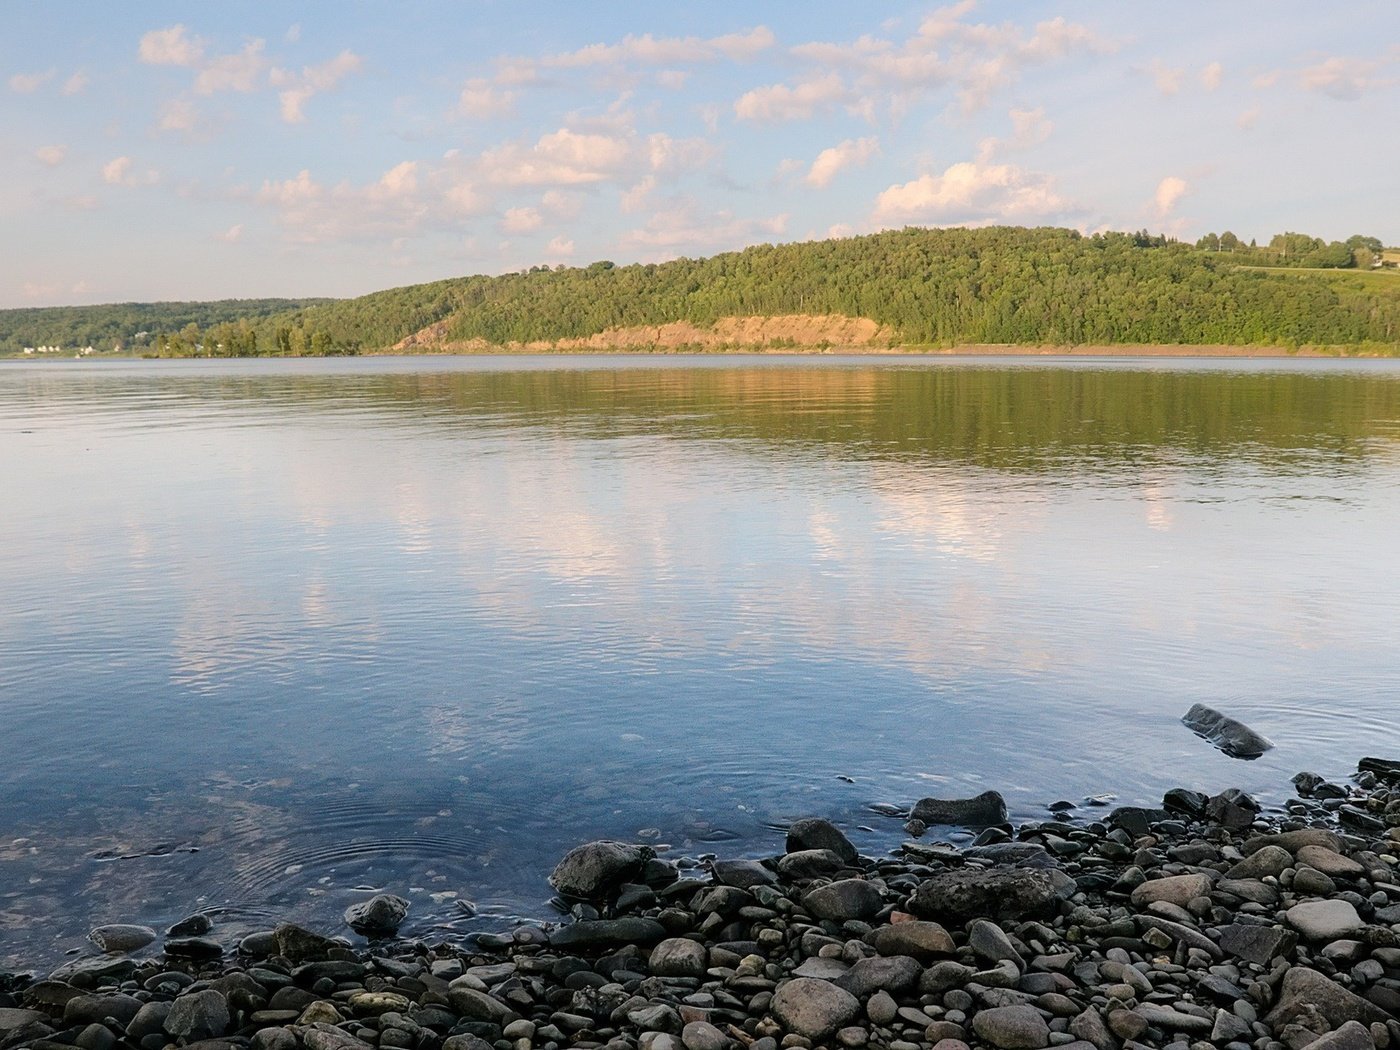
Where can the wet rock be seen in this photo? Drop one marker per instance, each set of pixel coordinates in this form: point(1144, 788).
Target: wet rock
point(743, 874)
point(989, 942)
point(119, 937)
point(380, 916)
point(608, 933)
point(479, 1006)
point(197, 1015)
point(1232, 737)
point(1159, 1016)
point(149, 1020)
point(809, 864)
point(847, 899)
point(815, 833)
point(701, 1035)
point(979, 811)
point(85, 1009)
point(990, 892)
point(1232, 809)
point(591, 871)
point(1012, 1028)
point(191, 926)
point(299, 944)
point(814, 1009)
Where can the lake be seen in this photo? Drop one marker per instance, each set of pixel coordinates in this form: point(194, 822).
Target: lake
point(274, 633)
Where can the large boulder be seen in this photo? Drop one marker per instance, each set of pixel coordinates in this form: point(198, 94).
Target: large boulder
point(1234, 738)
point(979, 811)
point(595, 869)
point(918, 939)
point(816, 833)
point(1306, 994)
point(1012, 1028)
point(198, 1015)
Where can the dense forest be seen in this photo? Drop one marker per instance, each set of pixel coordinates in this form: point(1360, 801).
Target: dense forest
point(931, 287)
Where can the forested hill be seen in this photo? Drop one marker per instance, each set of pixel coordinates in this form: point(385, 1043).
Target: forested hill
point(130, 326)
point(923, 287)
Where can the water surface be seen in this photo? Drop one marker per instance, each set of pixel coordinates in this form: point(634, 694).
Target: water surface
point(274, 633)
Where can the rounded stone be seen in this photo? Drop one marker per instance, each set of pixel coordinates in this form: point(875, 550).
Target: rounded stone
point(121, 937)
point(679, 957)
point(814, 1008)
point(1012, 1028)
point(380, 916)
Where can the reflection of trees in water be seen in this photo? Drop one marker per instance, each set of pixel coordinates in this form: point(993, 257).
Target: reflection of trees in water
point(1034, 419)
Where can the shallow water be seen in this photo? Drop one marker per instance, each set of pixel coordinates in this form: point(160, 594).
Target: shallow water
point(273, 633)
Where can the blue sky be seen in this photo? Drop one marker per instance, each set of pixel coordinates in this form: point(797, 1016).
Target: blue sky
point(198, 151)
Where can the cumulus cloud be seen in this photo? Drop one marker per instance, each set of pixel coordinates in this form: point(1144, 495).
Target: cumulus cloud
point(1212, 75)
point(173, 46)
point(1167, 78)
point(778, 102)
point(1169, 191)
point(299, 88)
point(28, 83)
point(682, 227)
point(75, 84)
point(560, 158)
point(116, 171)
point(241, 71)
point(946, 51)
point(1344, 79)
point(178, 114)
point(669, 51)
point(832, 160)
point(971, 192)
point(119, 172)
point(232, 234)
point(521, 220)
point(51, 155)
point(559, 249)
point(480, 100)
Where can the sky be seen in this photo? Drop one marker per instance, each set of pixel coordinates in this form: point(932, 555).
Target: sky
point(165, 151)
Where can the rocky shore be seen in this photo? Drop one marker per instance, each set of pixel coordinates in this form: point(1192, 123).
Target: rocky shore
point(1202, 923)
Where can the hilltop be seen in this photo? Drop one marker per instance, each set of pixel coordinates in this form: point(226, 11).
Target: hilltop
point(906, 289)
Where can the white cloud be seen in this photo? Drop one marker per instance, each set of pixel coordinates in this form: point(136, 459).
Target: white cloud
point(38, 290)
point(232, 234)
point(293, 33)
point(666, 51)
point(1212, 75)
point(172, 46)
point(832, 160)
point(681, 227)
point(51, 155)
point(560, 158)
point(28, 83)
point(241, 71)
point(1345, 79)
point(972, 192)
point(1169, 191)
point(481, 101)
point(559, 249)
point(1167, 79)
point(561, 205)
point(299, 88)
point(178, 114)
point(1029, 127)
point(75, 84)
point(116, 171)
point(1247, 119)
point(521, 220)
point(778, 102)
point(946, 50)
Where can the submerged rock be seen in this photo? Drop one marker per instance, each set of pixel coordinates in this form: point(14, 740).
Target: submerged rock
point(981, 810)
point(1234, 738)
point(380, 916)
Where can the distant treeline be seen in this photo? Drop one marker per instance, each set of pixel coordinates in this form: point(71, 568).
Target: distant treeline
point(930, 287)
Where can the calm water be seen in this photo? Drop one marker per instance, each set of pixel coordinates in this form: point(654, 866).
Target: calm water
point(272, 633)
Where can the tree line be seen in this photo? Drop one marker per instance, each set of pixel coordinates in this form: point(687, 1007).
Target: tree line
point(931, 287)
